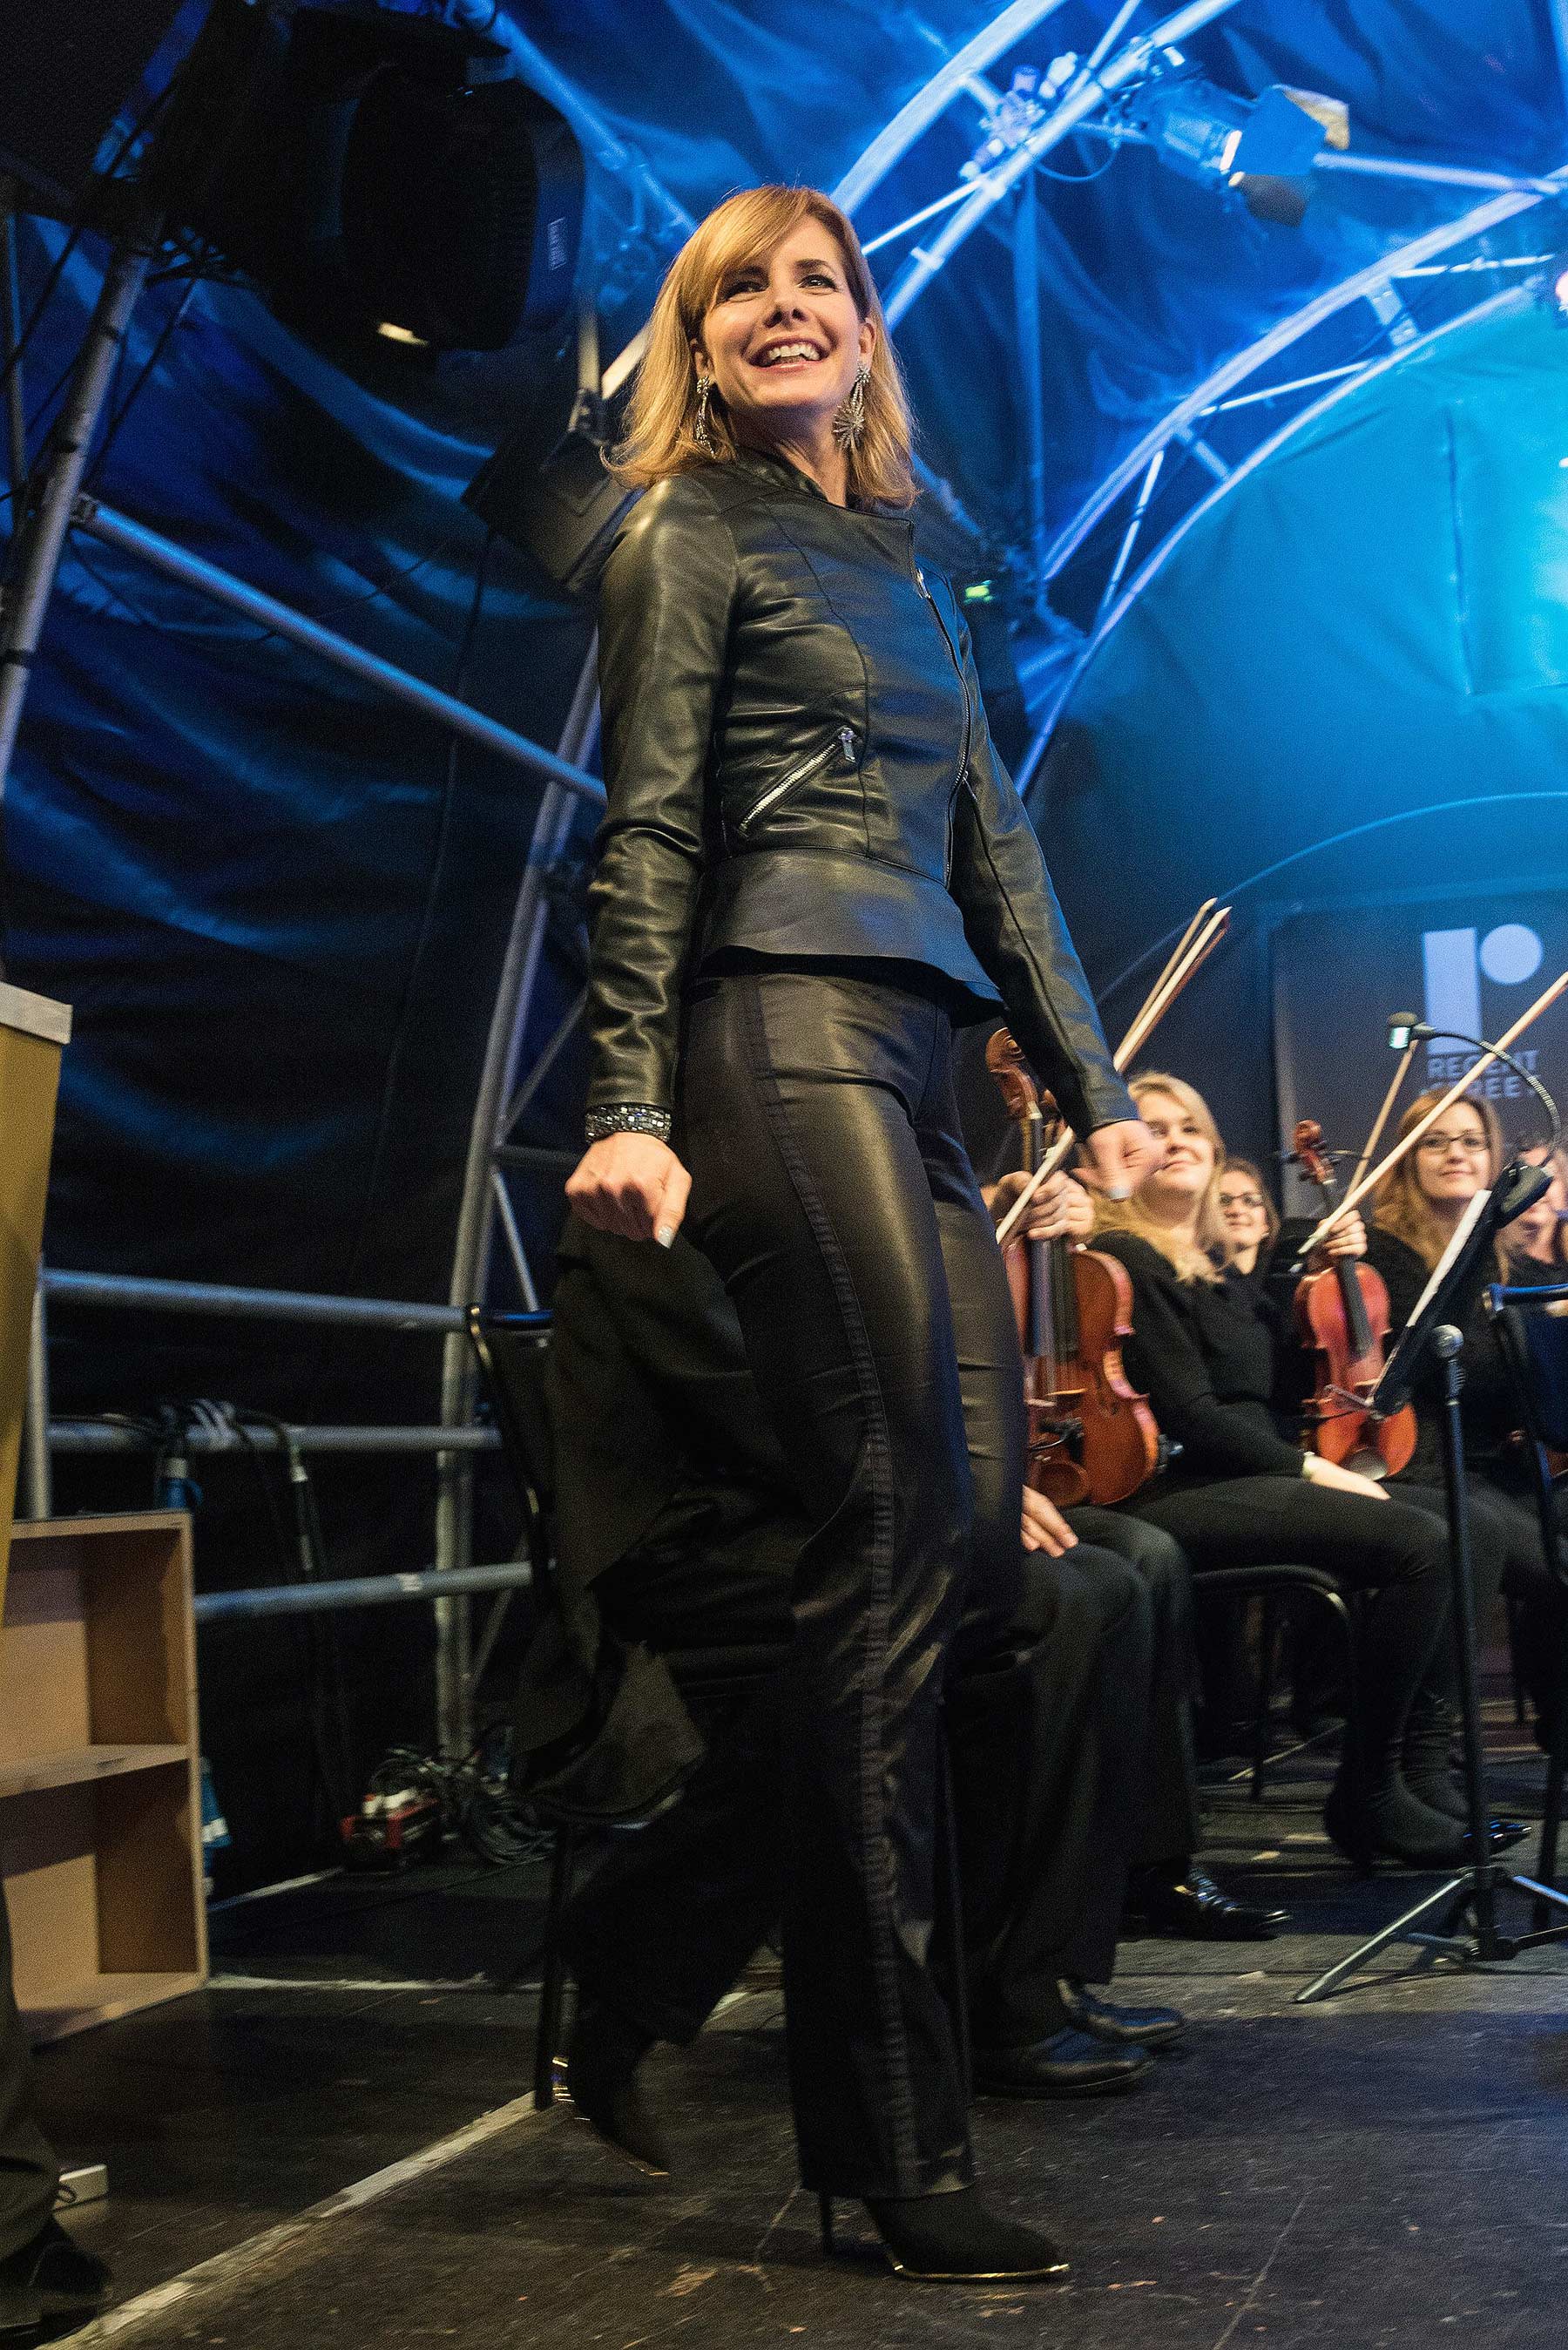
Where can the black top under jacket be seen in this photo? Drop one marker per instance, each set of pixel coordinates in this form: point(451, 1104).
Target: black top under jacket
point(798, 764)
point(1204, 1356)
point(1488, 1407)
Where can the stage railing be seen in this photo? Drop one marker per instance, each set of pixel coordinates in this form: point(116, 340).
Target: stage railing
point(223, 1302)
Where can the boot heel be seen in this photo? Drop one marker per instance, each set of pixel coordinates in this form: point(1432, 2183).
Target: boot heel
point(824, 2218)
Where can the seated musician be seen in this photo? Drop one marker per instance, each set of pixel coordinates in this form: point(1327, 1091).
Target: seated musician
point(1417, 1208)
point(1535, 1245)
point(1241, 1495)
point(1168, 1889)
point(1248, 1220)
point(677, 1528)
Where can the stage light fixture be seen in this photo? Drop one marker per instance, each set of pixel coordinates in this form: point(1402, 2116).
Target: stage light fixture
point(1260, 148)
point(377, 171)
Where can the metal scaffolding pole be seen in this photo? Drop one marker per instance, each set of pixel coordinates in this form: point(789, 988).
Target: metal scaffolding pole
point(40, 535)
point(1031, 378)
point(118, 530)
point(477, 1212)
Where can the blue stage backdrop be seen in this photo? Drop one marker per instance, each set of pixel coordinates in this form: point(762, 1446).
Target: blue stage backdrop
point(279, 906)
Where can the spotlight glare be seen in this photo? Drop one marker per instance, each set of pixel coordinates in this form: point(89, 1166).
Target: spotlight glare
point(401, 335)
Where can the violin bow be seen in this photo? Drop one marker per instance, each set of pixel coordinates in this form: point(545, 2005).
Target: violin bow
point(1358, 1192)
point(1381, 1121)
point(1197, 943)
point(1172, 983)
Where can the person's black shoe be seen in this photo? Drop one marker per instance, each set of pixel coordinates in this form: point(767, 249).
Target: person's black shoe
point(1066, 2064)
point(955, 2240)
point(1121, 2027)
point(1197, 1909)
point(1407, 1832)
point(51, 2276)
point(599, 2078)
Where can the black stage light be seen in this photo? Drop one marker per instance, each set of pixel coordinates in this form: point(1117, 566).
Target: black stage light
point(68, 67)
point(377, 171)
point(546, 488)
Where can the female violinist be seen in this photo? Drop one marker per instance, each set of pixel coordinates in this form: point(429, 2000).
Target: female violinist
point(1249, 1219)
point(1167, 1885)
point(1240, 1494)
point(1417, 1208)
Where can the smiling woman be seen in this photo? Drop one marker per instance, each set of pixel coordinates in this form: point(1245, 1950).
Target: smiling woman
point(768, 327)
point(812, 865)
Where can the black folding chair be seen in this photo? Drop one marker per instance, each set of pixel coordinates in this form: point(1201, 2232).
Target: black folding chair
point(513, 1354)
point(1534, 1343)
point(1274, 1585)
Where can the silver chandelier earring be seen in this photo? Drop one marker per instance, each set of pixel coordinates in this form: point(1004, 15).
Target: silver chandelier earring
point(850, 421)
point(703, 437)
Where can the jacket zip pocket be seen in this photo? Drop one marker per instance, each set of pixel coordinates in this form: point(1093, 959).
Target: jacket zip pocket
point(841, 746)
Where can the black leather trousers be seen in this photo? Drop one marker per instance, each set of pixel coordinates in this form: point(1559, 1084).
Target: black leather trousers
point(831, 1191)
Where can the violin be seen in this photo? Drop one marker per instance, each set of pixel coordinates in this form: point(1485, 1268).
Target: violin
point(1343, 1316)
point(1091, 1436)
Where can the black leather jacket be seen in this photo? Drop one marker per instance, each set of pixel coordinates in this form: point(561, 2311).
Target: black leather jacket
point(797, 762)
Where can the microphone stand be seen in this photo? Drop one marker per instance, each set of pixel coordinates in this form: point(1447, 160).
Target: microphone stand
point(1472, 1892)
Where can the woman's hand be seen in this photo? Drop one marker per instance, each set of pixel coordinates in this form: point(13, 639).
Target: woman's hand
point(1044, 1527)
point(1060, 1206)
point(630, 1184)
point(1320, 1471)
point(1348, 1238)
point(1119, 1156)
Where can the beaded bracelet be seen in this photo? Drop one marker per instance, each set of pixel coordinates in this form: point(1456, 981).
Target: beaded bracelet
point(627, 1117)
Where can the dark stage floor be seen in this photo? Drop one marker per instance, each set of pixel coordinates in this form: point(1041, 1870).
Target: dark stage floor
point(332, 2147)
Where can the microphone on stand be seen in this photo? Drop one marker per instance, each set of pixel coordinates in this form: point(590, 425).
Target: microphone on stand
point(1405, 1030)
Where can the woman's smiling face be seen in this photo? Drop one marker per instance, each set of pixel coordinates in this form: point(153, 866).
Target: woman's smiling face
point(1187, 1156)
point(784, 339)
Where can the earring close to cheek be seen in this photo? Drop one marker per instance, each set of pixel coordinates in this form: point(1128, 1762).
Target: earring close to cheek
point(850, 421)
point(700, 431)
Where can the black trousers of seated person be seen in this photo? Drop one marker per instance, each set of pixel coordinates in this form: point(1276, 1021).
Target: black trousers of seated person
point(1047, 1774)
point(1169, 1825)
point(29, 2175)
point(1396, 1550)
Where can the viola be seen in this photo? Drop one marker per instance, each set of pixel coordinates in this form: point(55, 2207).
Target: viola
point(1343, 1316)
point(1091, 1436)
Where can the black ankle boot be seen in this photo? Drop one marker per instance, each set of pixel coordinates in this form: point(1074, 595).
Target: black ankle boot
point(1429, 1774)
point(955, 2240)
point(599, 2077)
point(1390, 1823)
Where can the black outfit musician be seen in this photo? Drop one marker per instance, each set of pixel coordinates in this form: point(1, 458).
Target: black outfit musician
point(1238, 1496)
point(1166, 1886)
point(812, 863)
point(43, 2273)
point(1506, 1530)
point(677, 1529)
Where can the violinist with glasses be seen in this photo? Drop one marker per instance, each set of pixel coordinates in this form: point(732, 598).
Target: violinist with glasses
point(1416, 1210)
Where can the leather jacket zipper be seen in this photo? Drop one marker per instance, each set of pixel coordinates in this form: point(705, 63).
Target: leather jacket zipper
point(842, 744)
point(957, 672)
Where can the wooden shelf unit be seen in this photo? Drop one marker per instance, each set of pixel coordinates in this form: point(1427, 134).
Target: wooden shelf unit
point(101, 1810)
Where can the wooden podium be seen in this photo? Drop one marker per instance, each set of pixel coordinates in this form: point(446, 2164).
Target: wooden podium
point(34, 1032)
point(99, 1794)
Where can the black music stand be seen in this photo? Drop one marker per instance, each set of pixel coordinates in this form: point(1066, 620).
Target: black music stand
point(1473, 1890)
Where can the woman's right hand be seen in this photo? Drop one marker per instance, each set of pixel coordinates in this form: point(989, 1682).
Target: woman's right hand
point(630, 1184)
point(1339, 1480)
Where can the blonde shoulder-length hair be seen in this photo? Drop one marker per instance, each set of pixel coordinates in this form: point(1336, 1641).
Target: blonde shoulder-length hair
point(1400, 1206)
point(1192, 1259)
point(660, 437)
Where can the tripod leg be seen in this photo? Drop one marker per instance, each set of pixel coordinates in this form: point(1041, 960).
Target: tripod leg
point(1325, 1983)
point(1557, 1753)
